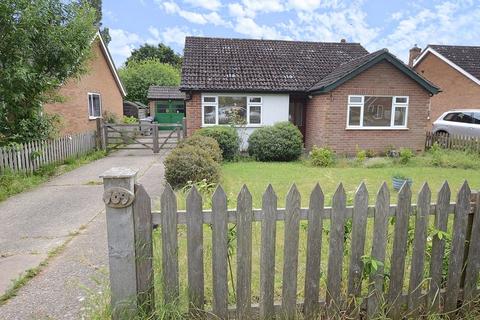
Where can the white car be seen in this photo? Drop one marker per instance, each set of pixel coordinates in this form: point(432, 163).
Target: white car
point(461, 122)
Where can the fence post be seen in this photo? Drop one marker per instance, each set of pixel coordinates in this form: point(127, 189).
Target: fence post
point(119, 186)
point(184, 124)
point(468, 237)
point(98, 134)
point(105, 137)
point(156, 148)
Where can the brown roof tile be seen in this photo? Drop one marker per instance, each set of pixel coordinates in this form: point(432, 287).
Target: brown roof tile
point(261, 65)
point(466, 57)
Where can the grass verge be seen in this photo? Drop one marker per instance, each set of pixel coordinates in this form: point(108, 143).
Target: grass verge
point(12, 183)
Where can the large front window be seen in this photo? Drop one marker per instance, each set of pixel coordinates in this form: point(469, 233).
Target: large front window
point(231, 109)
point(377, 112)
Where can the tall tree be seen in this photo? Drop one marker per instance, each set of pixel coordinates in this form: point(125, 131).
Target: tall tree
point(42, 44)
point(105, 32)
point(162, 53)
point(138, 76)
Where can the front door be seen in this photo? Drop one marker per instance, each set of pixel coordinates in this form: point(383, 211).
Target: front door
point(297, 113)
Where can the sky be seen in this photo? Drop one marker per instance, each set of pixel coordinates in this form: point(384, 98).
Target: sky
point(396, 25)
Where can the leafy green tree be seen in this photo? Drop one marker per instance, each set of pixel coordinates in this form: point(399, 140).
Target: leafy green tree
point(162, 53)
point(137, 76)
point(42, 44)
point(105, 32)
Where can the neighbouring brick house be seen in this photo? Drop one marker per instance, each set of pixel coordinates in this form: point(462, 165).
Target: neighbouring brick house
point(95, 93)
point(338, 94)
point(456, 70)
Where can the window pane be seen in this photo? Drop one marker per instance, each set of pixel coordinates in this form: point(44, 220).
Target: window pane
point(377, 112)
point(354, 116)
point(232, 110)
point(255, 114)
point(401, 100)
point(400, 113)
point(476, 117)
point(355, 100)
point(459, 117)
point(96, 105)
point(209, 114)
point(209, 99)
point(255, 99)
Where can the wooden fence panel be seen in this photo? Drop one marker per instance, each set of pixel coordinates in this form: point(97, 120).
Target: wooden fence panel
point(473, 265)
point(335, 260)
point(244, 215)
point(359, 226)
point(314, 250)
point(142, 221)
point(195, 250)
point(290, 253)
point(267, 254)
point(418, 254)
point(29, 157)
point(438, 247)
point(397, 269)
point(378, 250)
point(244, 254)
point(455, 266)
point(220, 253)
point(169, 246)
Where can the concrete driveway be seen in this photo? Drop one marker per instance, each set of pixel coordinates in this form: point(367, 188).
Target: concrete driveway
point(68, 210)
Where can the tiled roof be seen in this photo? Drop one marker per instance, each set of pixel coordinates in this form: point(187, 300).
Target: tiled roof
point(353, 67)
point(466, 57)
point(261, 65)
point(165, 92)
point(347, 68)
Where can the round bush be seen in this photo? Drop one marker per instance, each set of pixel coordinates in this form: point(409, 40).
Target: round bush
point(190, 163)
point(227, 138)
point(206, 143)
point(280, 142)
point(322, 157)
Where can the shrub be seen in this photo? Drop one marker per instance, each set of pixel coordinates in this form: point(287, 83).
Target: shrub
point(280, 142)
point(227, 138)
point(361, 156)
point(129, 120)
point(405, 155)
point(322, 157)
point(443, 158)
point(190, 164)
point(206, 143)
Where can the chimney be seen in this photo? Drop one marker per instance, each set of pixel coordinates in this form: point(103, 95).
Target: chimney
point(343, 41)
point(414, 53)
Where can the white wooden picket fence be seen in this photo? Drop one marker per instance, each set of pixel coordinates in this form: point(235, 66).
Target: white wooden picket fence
point(415, 285)
point(30, 156)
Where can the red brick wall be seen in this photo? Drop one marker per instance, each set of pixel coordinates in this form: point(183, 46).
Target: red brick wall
point(458, 91)
point(74, 109)
point(194, 112)
point(327, 114)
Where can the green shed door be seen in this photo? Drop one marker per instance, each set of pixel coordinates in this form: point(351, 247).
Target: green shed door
point(169, 111)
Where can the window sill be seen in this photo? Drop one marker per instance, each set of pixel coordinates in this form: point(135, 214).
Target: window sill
point(93, 118)
point(377, 128)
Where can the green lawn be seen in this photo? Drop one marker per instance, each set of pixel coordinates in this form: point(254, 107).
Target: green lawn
point(257, 176)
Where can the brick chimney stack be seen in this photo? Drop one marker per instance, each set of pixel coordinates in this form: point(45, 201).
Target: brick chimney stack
point(414, 53)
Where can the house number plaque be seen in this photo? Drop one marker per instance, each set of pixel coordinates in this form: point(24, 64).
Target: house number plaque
point(117, 197)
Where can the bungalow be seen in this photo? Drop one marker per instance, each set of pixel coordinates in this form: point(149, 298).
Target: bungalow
point(92, 95)
point(456, 69)
point(338, 94)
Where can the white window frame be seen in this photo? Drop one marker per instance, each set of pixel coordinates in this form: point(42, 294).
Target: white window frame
point(215, 104)
point(361, 105)
point(90, 111)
